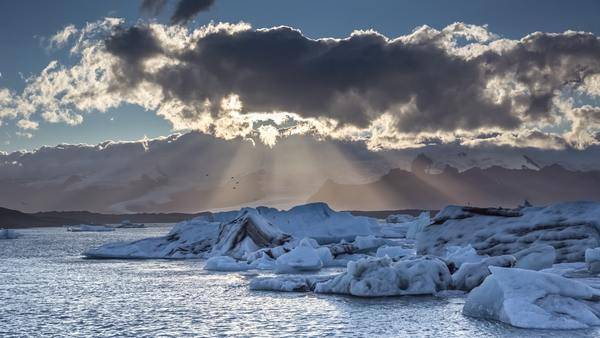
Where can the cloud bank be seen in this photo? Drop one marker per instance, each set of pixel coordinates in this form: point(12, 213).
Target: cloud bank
point(462, 84)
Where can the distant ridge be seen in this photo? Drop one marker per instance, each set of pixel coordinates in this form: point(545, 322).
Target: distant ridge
point(16, 219)
point(493, 186)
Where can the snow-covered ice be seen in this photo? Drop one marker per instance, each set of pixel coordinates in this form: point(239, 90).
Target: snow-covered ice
point(288, 283)
point(537, 257)
point(457, 255)
point(188, 239)
point(247, 233)
point(304, 257)
point(471, 275)
point(592, 260)
point(533, 299)
point(417, 225)
point(226, 263)
point(240, 233)
point(374, 277)
point(569, 227)
point(318, 221)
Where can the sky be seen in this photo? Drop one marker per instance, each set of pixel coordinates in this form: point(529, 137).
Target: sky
point(189, 105)
point(28, 27)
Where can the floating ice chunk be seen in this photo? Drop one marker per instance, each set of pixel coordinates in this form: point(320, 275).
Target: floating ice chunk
point(471, 275)
point(304, 257)
point(394, 252)
point(592, 260)
point(318, 221)
point(127, 224)
point(226, 263)
point(537, 257)
point(247, 233)
point(572, 227)
point(189, 239)
point(417, 225)
point(287, 283)
point(90, 228)
point(8, 234)
point(533, 299)
point(457, 255)
point(364, 243)
point(373, 277)
point(399, 218)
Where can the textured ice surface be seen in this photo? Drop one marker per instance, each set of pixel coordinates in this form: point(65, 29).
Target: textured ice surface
point(532, 299)
point(374, 277)
point(569, 227)
point(471, 275)
point(536, 257)
point(592, 260)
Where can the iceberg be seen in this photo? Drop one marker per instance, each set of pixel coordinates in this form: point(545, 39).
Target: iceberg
point(288, 283)
point(127, 224)
point(417, 225)
point(569, 227)
point(318, 221)
point(534, 300)
point(8, 234)
point(471, 275)
point(399, 218)
point(241, 234)
point(376, 277)
point(188, 239)
point(592, 260)
point(537, 257)
point(247, 233)
point(90, 228)
point(457, 255)
point(304, 257)
point(225, 263)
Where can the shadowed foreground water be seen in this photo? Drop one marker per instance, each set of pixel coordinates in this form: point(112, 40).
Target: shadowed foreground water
point(48, 289)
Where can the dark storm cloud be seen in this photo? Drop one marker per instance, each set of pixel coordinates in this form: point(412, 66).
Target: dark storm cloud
point(185, 10)
point(354, 80)
point(545, 63)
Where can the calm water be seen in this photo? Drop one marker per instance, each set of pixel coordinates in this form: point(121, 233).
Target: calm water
point(47, 289)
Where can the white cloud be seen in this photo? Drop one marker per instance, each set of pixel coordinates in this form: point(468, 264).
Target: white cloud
point(62, 37)
point(27, 124)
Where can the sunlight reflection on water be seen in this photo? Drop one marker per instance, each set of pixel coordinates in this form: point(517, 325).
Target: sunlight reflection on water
point(46, 289)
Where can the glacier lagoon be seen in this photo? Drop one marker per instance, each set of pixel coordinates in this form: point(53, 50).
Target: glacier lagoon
point(47, 288)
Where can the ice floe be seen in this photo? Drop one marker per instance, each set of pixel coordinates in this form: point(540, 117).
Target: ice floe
point(188, 239)
point(288, 283)
point(537, 257)
point(569, 227)
point(374, 277)
point(304, 257)
point(533, 299)
point(471, 275)
point(592, 260)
